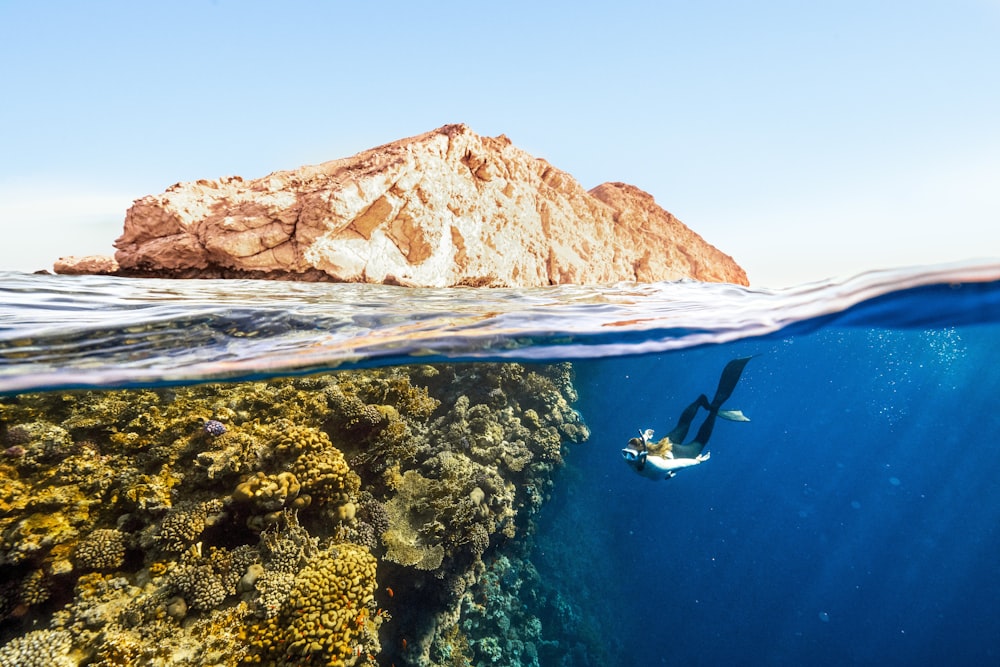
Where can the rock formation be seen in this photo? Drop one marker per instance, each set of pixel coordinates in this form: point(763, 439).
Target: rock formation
point(443, 208)
point(86, 265)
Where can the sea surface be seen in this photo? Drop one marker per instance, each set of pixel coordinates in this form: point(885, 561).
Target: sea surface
point(854, 519)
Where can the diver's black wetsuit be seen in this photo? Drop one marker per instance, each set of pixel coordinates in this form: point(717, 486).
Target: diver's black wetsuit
point(727, 383)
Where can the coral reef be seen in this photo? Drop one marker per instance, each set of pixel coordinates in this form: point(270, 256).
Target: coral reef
point(337, 519)
point(512, 616)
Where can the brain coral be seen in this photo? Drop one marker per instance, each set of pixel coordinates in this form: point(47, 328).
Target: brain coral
point(327, 619)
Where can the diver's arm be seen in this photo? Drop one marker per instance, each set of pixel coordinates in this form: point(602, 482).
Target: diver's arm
point(674, 464)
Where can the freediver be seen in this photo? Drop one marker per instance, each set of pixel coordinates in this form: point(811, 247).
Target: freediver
point(662, 459)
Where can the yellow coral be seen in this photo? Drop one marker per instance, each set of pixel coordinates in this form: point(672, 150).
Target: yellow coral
point(271, 492)
point(327, 616)
point(320, 467)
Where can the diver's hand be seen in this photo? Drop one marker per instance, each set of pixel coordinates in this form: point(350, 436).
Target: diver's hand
point(703, 457)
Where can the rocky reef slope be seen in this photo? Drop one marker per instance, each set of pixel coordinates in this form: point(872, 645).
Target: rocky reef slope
point(444, 208)
point(356, 518)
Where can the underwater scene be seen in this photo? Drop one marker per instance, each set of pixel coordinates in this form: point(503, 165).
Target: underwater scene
point(235, 473)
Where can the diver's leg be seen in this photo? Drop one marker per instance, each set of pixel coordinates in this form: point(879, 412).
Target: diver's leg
point(727, 383)
point(687, 416)
point(705, 432)
point(697, 446)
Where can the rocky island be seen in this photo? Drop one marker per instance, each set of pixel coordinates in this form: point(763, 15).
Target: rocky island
point(444, 208)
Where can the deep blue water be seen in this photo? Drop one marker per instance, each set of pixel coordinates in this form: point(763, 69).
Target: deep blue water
point(853, 520)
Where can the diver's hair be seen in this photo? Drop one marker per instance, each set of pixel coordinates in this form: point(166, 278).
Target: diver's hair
point(636, 443)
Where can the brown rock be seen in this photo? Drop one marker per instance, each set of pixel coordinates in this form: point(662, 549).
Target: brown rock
point(87, 265)
point(660, 244)
point(443, 208)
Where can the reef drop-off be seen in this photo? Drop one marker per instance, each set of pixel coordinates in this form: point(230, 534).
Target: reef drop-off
point(351, 518)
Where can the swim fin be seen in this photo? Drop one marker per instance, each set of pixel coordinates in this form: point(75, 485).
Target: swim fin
point(727, 382)
point(734, 415)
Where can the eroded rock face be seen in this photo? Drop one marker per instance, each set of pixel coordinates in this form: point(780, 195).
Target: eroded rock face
point(443, 208)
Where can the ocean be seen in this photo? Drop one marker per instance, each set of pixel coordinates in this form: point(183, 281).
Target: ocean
point(241, 472)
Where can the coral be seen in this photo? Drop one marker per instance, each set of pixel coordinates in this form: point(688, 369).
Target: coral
point(214, 428)
point(479, 539)
point(328, 618)
point(29, 535)
point(35, 588)
point(500, 627)
point(320, 467)
point(452, 649)
point(186, 536)
point(373, 512)
point(361, 533)
point(239, 451)
point(200, 585)
point(103, 549)
point(39, 648)
point(354, 415)
point(206, 581)
point(182, 526)
point(273, 589)
point(271, 492)
point(286, 547)
point(33, 444)
point(406, 541)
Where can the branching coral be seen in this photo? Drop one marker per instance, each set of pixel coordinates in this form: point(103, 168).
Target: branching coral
point(39, 648)
point(103, 549)
point(181, 527)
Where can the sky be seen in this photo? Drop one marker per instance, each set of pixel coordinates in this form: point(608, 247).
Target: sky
point(807, 139)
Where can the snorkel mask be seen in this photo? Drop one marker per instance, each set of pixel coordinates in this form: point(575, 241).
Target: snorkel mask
point(634, 452)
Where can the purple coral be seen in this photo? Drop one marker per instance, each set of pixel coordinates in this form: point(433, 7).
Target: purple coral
point(214, 427)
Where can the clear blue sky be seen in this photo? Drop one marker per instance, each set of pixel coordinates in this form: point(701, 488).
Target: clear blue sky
point(808, 139)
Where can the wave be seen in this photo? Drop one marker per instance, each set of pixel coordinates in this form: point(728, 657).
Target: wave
point(59, 332)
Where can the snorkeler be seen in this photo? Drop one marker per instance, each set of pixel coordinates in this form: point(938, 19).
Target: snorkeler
point(661, 460)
